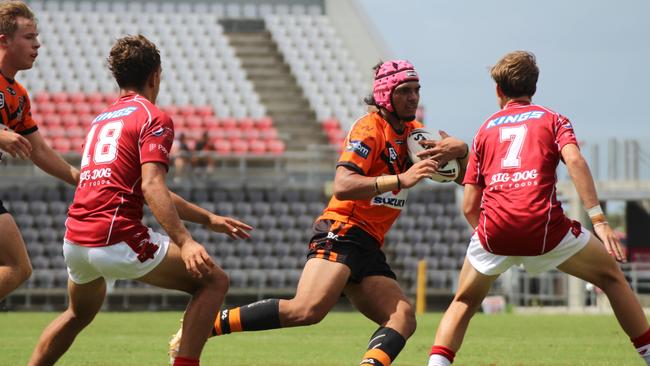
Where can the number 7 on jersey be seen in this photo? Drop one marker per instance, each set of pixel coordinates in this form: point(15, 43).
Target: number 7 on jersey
point(516, 135)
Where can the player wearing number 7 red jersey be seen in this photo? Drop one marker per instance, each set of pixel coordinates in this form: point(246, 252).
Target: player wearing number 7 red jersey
point(510, 199)
point(124, 164)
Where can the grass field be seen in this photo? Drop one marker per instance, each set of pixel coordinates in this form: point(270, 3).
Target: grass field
point(496, 340)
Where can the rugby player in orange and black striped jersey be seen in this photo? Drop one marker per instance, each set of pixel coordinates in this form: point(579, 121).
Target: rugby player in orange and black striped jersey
point(345, 256)
point(19, 136)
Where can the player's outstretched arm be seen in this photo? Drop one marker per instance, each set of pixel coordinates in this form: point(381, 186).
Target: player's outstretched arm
point(196, 258)
point(584, 183)
point(51, 161)
point(472, 203)
point(350, 185)
point(221, 224)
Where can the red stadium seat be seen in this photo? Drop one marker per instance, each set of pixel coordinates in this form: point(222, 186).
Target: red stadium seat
point(222, 147)
point(59, 97)
point(233, 133)
point(229, 123)
point(78, 144)
point(252, 134)
point(246, 123)
point(77, 98)
point(217, 134)
point(62, 144)
point(110, 98)
point(264, 123)
point(180, 122)
point(239, 147)
point(53, 120)
point(64, 109)
point(194, 122)
point(204, 111)
point(70, 120)
point(86, 119)
point(82, 108)
point(187, 110)
point(257, 146)
point(42, 97)
point(98, 107)
point(46, 108)
point(275, 147)
point(54, 132)
point(95, 98)
point(171, 111)
point(269, 134)
point(76, 132)
point(331, 124)
point(211, 121)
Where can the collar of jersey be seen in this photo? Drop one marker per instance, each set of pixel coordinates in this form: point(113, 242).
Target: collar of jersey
point(516, 103)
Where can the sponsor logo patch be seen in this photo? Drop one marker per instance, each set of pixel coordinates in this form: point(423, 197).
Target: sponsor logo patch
point(11, 90)
point(2, 100)
point(359, 148)
point(158, 132)
point(515, 118)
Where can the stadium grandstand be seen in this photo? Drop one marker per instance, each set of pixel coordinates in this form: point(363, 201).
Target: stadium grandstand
point(260, 92)
point(264, 81)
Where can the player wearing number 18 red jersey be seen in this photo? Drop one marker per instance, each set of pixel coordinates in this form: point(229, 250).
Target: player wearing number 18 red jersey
point(510, 200)
point(124, 164)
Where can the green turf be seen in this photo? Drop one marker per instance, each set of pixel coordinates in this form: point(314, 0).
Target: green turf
point(141, 339)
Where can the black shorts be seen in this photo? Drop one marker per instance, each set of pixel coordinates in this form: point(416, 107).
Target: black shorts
point(3, 210)
point(353, 247)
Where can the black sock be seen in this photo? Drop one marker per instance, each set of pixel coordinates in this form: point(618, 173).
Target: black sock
point(261, 315)
point(385, 344)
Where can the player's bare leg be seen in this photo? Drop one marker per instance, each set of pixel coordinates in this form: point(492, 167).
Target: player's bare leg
point(382, 300)
point(595, 265)
point(15, 267)
point(319, 288)
point(207, 296)
point(473, 286)
point(85, 302)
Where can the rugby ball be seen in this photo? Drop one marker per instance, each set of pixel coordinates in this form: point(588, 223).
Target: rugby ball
point(444, 174)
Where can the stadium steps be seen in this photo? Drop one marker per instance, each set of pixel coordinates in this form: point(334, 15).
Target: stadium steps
point(279, 92)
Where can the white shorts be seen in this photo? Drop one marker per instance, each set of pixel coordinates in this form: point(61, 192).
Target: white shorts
point(117, 261)
point(491, 264)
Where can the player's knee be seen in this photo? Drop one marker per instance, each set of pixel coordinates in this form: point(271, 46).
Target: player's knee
point(217, 281)
point(19, 273)
point(466, 303)
point(24, 271)
point(610, 276)
point(308, 315)
point(79, 319)
point(406, 316)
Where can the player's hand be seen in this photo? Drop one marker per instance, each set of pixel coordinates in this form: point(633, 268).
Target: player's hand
point(15, 145)
point(197, 260)
point(611, 241)
point(422, 169)
point(229, 226)
point(444, 150)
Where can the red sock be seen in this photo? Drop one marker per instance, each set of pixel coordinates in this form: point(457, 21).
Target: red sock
point(642, 340)
point(443, 351)
point(182, 361)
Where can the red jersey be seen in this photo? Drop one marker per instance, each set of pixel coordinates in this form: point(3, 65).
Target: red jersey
point(514, 159)
point(107, 206)
point(373, 148)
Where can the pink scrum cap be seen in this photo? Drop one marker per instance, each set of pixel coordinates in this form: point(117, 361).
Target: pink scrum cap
point(389, 75)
